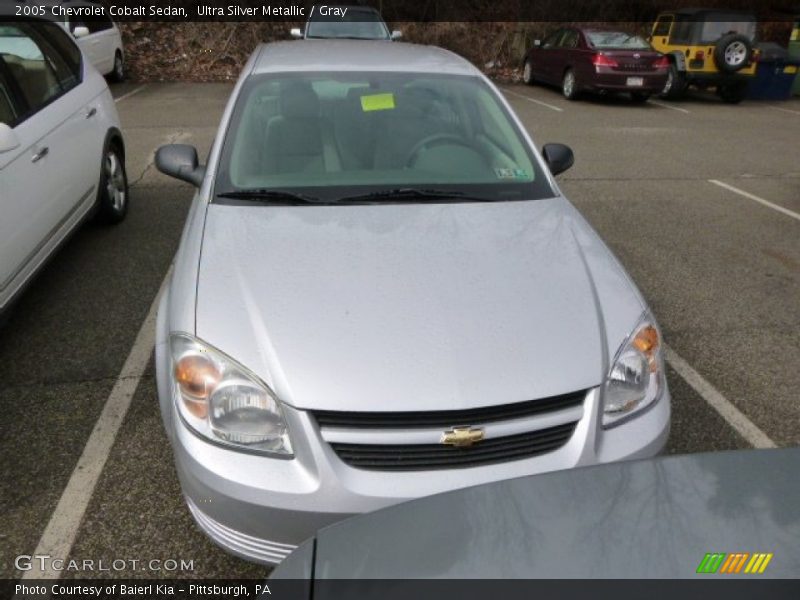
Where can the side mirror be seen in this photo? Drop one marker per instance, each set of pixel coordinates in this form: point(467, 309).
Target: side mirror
point(558, 157)
point(296, 32)
point(397, 34)
point(8, 139)
point(537, 43)
point(180, 161)
point(80, 32)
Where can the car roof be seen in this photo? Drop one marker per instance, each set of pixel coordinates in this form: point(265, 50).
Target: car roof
point(358, 55)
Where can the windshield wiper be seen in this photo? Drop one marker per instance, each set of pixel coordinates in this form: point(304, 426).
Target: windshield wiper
point(273, 196)
point(412, 195)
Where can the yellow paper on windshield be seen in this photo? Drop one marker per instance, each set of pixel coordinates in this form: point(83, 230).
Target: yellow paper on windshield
point(377, 102)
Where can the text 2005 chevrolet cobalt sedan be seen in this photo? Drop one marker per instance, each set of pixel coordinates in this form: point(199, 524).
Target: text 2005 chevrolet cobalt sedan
point(381, 294)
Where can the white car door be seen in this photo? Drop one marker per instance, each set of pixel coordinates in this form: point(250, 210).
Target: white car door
point(101, 43)
point(47, 179)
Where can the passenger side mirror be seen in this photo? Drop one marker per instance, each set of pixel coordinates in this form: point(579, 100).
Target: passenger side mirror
point(296, 32)
point(397, 34)
point(558, 157)
point(80, 32)
point(8, 139)
point(180, 161)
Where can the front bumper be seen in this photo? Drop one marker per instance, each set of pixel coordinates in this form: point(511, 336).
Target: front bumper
point(260, 507)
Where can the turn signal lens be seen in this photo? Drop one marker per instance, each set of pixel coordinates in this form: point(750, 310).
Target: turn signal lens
point(661, 62)
point(646, 342)
point(601, 60)
point(196, 377)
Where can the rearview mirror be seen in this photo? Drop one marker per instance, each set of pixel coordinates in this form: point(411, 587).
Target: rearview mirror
point(397, 34)
point(8, 139)
point(180, 161)
point(296, 32)
point(558, 157)
point(80, 32)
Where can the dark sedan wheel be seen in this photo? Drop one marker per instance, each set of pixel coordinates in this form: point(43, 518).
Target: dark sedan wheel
point(640, 97)
point(527, 72)
point(112, 197)
point(569, 85)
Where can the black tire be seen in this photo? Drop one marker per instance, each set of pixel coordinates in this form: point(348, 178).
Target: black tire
point(676, 83)
point(527, 72)
point(640, 97)
point(569, 85)
point(112, 194)
point(118, 73)
point(732, 52)
point(732, 93)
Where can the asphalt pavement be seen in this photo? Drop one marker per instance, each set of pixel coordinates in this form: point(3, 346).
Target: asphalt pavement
point(699, 199)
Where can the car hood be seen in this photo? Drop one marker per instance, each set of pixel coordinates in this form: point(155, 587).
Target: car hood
point(638, 519)
point(412, 307)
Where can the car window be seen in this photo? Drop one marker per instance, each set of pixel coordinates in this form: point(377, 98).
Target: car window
point(662, 26)
point(334, 133)
point(359, 24)
point(569, 39)
point(712, 30)
point(682, 30)
point(552, 39)
point(98, 24)
point(607, 40)
point(8, 112)
point(42, 61)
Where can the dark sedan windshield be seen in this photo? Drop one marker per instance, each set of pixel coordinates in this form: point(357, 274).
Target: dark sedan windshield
point(613, 40)
point(345, 135)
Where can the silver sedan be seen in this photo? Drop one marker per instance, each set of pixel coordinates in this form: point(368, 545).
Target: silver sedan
point(382, 294)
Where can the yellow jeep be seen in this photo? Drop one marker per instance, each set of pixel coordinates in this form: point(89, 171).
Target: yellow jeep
point(707, 48)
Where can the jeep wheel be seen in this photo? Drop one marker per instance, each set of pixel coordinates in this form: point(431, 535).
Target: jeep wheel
point(675, 85)
point(732, 52)
point(732, 93)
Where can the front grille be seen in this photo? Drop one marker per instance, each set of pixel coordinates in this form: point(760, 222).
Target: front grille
point(419, 457)
point(448, 418)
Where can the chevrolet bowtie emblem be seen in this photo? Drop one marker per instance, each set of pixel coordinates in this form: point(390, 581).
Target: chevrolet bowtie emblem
point(462, 437)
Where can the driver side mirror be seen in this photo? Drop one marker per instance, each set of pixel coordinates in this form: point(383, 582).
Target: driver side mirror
point(8, 139)
point(180, 161)
point(296, 32)
point(397, 34)
point(558, 157)
point(80, 32)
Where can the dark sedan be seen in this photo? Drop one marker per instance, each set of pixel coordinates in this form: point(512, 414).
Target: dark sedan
point(596, 60)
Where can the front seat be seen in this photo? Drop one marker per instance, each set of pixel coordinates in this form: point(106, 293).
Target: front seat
point(293, 139)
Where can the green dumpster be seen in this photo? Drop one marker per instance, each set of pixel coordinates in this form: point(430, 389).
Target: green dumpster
point(794, 52)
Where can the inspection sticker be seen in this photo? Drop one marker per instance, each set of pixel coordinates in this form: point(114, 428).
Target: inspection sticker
point(377, 102)
point(511, 173)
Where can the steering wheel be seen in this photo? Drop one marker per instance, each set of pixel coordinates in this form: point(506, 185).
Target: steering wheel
point(437, 139)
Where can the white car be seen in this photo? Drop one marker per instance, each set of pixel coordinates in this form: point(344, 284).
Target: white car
point(100, 40)
point(61, 148)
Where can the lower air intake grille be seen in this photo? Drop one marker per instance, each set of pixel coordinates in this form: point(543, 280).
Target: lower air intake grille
point(419, 457)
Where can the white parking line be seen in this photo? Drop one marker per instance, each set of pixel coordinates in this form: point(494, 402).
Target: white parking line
point(732, 415)
point(129, 94)
point(665, 105)
point(767, 203)
point(786, 110)
point(59, 535)
point(534, 100)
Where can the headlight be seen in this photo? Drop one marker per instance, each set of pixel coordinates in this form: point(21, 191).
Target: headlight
point(223, 401)
point(636, 377)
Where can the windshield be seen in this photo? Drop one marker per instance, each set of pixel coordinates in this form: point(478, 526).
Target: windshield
point(608, 40)
point(357, 24)
point(338, 135)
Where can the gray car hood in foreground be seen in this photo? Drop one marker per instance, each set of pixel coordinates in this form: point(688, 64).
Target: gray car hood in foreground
point(644, 519)
point(413, 307)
